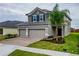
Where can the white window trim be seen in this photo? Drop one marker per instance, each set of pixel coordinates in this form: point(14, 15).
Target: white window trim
point(33, 18)
point(42, 17)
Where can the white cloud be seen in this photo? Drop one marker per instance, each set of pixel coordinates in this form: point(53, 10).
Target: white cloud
point(12, 10)
point(18, 10)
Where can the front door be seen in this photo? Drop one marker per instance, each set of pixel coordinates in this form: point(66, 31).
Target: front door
point(59, 31)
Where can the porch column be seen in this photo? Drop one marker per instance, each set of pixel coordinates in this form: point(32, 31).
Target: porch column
point(62, 31)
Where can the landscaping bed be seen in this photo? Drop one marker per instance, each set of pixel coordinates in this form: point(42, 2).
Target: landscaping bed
point(70, 45)
point(25, 53)
point(8, 36)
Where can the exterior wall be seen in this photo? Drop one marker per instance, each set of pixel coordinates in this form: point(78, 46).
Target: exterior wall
point(27, 32)
point(47, 28)
point(37, 13)
point(10, 31)
point(34, 27)
point(67, 29)
point(46, 18)
point(50, 32)
point(67, 26)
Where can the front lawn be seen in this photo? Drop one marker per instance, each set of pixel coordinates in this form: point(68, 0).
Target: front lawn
point(70, 44)
point(25, 53)
point(2, 37)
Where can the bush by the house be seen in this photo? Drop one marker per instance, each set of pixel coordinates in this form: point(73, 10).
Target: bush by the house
point(65, 50)
point(50, 36)
point(11, 35)
point(7, 36)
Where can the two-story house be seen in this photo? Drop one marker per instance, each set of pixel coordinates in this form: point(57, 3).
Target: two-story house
point(38, 25)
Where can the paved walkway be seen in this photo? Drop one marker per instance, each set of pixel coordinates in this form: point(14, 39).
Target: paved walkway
point(20, 41)
point(7, 49)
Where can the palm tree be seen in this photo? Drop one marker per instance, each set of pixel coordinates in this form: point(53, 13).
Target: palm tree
point(56, 18)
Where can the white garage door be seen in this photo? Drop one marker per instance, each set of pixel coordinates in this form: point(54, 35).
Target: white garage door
point(22, 33)
point(37, 33)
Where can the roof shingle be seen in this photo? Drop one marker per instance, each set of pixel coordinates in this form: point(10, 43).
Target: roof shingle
point(10, 24)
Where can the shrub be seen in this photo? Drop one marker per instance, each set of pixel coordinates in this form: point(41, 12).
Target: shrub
point(11, 35)
point(78, 45)
point(50, 36)
point(64, 49)
point(6, 37)
point(61, 40)
point(15, 35)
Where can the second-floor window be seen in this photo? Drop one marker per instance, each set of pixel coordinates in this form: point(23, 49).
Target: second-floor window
point(41, 17)
point(38, 18)
point(34, 18)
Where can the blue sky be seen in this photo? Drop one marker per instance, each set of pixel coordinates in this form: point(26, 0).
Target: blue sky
point(17, 11)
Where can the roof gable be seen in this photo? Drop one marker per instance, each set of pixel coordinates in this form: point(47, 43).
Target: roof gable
point(44, 11)
point(69, 18)
point(38, 9)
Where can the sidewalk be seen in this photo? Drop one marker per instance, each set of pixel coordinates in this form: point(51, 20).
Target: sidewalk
point(5, 50)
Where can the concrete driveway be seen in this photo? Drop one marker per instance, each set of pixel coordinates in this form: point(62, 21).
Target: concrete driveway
point(19, 41)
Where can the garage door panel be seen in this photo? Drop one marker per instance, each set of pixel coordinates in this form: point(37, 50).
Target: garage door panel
point(37, 33)
point(22, 33)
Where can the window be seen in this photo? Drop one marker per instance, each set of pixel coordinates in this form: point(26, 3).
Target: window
point(41, 17)
point(38, 18)
point(34, 18)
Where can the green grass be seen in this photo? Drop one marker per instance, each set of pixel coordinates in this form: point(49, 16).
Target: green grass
point(2, 37)
point(70, 44)
point(25, 53)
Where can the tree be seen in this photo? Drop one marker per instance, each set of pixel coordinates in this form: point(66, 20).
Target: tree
point(56, 18)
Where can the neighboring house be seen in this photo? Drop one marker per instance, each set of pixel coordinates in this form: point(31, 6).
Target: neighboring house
point(38, 25)
point(72, 29)
point(9, 27)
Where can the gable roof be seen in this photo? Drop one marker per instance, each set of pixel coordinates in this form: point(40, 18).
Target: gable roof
point(69, 18)
point(44, 11)
point(10, 24)
point(37, 8)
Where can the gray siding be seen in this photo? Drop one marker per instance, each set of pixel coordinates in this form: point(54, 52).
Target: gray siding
point(37, 13)
point(45, 27)
point(67, 29)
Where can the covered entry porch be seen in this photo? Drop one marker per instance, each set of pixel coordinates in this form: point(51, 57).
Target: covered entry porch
point(60, 31)
point(58, 34)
